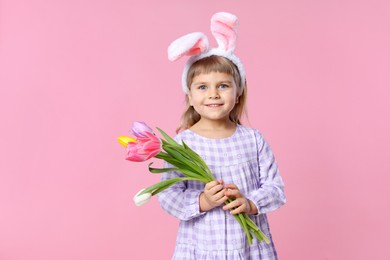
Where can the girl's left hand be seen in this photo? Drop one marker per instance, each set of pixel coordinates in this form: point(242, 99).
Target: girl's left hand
point(240, 204)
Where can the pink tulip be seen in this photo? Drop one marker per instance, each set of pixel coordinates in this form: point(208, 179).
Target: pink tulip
point(147, 146)
point(140, 128)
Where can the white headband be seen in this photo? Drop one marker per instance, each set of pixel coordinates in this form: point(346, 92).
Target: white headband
point(196, 45)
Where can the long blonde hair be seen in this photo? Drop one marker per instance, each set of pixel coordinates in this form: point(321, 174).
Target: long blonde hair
point(213, 64)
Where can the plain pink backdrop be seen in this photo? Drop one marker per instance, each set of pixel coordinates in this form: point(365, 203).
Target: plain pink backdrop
point(75, 74)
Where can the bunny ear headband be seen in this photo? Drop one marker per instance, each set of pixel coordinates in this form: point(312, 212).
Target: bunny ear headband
point(196, 45)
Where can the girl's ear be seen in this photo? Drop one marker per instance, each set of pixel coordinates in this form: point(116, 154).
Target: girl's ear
point(223, 27)
point(189, 99)
point(189, 44)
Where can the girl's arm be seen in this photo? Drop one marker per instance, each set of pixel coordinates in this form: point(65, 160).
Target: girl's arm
point(178, 200)
point(184, 203)
point(270, 196)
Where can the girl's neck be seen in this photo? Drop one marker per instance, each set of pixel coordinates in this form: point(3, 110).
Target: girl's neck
point(214, 129)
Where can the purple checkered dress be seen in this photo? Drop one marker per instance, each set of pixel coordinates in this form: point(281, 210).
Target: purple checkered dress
point(244, 159)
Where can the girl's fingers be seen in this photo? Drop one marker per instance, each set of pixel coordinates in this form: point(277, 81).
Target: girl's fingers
point(216, 189)
point(233, 193)
point(214, 186)
point(238, 210)
point(231, 205)
point(211, 184)
point(231, 186)
point(237, 206)
point(222, 199)
point(217, 196)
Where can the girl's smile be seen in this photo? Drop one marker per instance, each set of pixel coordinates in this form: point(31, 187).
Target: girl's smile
point(214, 105)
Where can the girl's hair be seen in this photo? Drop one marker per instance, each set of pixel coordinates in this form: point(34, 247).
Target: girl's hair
point(213, 64)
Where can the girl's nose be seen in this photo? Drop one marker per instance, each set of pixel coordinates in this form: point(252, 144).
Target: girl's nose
point(213, 93)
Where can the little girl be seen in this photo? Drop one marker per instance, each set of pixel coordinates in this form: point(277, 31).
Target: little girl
point(239, 157)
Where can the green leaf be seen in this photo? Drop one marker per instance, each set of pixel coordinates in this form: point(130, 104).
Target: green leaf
point(183, 160)
point(183, 151)
point(161, 170)
point(185, 171)
point(171, 160)
point(191, 174)
point(198, 158)
point(193, 153)
point(160, 184)
point(157, 191)
point(167, 137)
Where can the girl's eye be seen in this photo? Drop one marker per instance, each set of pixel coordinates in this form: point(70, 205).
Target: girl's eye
point(202, 87)
point(223, 86)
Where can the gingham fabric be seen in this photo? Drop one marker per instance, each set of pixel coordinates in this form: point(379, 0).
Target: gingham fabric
point(244, 159)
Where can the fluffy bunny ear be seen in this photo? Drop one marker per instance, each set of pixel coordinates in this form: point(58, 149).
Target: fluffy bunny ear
point(189, 44)
point(223, 27)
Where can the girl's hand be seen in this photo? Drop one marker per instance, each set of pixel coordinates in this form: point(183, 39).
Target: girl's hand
point(212, 196)
point(240, 204)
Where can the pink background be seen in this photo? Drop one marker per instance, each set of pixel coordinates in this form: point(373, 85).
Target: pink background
point(75, 74)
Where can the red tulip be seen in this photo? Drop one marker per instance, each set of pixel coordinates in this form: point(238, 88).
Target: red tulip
point(146, 146)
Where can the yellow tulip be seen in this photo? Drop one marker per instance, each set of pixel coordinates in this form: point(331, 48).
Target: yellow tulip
point(124, 140)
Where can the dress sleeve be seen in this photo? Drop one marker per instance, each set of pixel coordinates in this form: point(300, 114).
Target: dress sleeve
point(270, 196)
point(179, 200)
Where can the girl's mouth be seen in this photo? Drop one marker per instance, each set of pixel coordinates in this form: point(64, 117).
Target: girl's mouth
point(214, 105)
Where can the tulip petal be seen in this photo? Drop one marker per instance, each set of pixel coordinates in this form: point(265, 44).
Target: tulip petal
point(146, 147)
point(124, 140)
point(140, 129)
point(142, 199)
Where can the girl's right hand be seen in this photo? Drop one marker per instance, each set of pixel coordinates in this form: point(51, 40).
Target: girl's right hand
point(212, 196)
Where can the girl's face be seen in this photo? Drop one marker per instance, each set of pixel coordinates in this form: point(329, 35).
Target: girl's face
point(213, 95)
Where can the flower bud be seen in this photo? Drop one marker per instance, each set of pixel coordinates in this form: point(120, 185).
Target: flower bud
point(142, 199)
point(140, 128)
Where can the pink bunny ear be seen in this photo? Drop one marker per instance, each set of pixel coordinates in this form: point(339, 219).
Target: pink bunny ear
point(223, 27)
point(190, 44)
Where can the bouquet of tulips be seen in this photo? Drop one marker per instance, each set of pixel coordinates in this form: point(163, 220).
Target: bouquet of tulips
point(145, 144)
